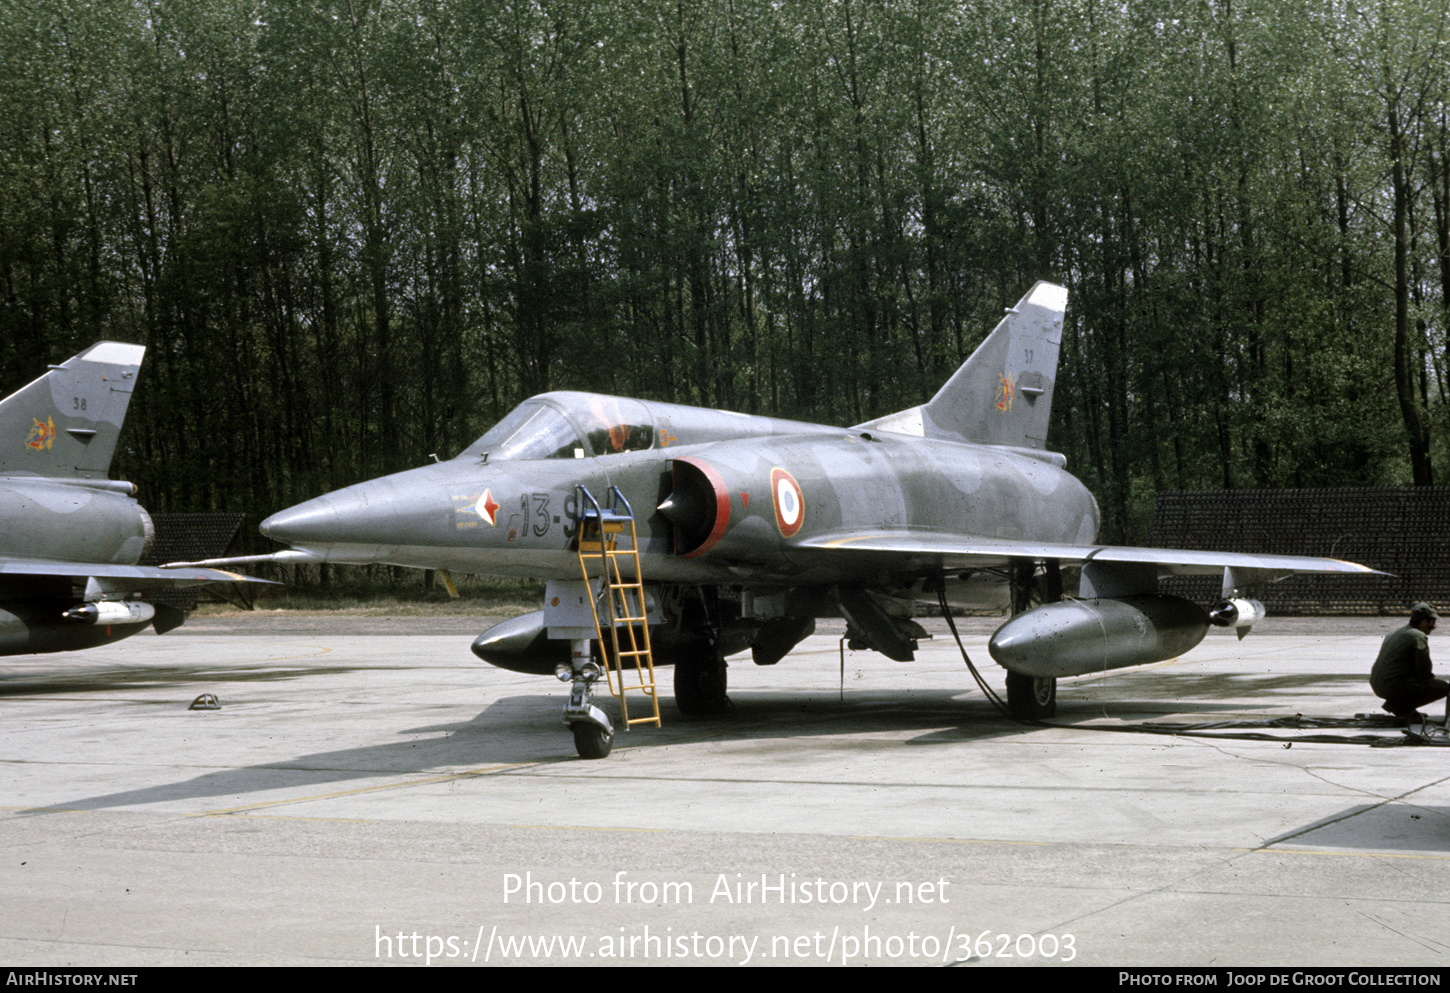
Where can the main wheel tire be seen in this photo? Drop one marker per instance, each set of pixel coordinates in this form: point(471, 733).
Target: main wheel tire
point(1031, 698)
point(591, 741)
point(700, 686)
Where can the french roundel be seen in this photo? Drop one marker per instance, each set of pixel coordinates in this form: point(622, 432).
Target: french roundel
point(790, 502)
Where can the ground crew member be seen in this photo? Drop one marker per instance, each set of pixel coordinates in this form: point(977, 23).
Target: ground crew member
point(1401, 675)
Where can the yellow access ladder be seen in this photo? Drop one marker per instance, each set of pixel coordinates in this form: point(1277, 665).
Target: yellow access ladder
point(628, 660)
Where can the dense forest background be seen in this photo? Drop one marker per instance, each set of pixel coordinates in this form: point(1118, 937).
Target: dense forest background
point(356, 232)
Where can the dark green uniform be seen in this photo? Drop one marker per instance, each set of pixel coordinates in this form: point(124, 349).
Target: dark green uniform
point(1402, 675)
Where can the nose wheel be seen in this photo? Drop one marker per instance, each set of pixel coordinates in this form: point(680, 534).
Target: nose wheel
point(592, 741)
point(593, 733)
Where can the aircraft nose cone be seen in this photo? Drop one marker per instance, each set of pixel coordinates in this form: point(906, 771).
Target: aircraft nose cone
point(406, 509)
point(316, 521)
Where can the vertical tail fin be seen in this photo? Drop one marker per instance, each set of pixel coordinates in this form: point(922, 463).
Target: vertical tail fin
point(1002, 394)
point(66, 422)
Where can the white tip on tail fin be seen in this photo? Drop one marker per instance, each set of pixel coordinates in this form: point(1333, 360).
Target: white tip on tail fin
point(1002, 394)
point(66, 422)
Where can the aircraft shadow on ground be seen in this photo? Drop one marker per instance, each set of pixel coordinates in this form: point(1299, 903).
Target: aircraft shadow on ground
point(528, 729)
point(1398, 827)
point(131, 678)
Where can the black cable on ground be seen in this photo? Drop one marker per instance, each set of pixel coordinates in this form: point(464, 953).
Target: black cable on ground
point(987, 691)
point(1427, 735)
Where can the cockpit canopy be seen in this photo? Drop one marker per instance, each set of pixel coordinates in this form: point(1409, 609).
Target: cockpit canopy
point(593, 425)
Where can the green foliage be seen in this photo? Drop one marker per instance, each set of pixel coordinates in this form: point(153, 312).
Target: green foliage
point(356, 232)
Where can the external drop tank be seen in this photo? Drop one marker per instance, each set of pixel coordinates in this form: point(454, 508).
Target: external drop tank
point(1075, 637)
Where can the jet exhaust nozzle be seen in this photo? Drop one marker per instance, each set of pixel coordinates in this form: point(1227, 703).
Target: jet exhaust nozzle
point(1075, 637)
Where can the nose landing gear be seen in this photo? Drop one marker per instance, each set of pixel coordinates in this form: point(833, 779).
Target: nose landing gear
point(593, 732)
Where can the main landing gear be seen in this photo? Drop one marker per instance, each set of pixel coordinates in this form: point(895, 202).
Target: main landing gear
point(1031, 698)
point(700, 684)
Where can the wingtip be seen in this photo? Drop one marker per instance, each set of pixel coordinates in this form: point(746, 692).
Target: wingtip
point(241, 577)
point(1364, 569)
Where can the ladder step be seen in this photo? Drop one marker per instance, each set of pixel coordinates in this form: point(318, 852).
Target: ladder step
point(606, 515)
point(602, 531)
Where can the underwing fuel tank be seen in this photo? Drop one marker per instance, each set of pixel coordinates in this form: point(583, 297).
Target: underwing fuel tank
point(521, 644)
point(1075, 637)
point(36, 626)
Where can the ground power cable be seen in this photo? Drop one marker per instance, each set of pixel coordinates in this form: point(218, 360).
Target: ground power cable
point(1437, 737)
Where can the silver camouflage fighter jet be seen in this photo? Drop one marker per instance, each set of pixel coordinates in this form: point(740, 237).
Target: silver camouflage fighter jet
point(70, 537)
point(673, 535)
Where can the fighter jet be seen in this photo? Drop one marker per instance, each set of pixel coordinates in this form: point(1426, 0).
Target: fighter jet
point(676, 535)
point(70, 537)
